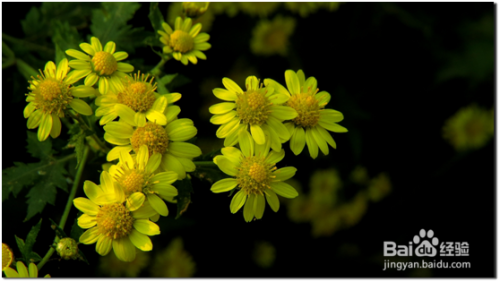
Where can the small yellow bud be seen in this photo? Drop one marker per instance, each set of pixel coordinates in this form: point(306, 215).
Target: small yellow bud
point(67, 248)
point(195, 9)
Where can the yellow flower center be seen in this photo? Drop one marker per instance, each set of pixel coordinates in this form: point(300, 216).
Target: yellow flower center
point(181, 41)
point(114, 221)
point(152, 135)
point(104, 63)
point(51, 95)
point(253, 107)
point(138, 93)
point(307, 107)
point(7, 256)
point(255, 174)
point(132, 180)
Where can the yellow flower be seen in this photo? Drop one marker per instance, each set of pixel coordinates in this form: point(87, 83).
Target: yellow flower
point(112, 224)
point(51, 94)
point(303, 8)
point(138, 179)
point(100, 65)
point(22, 271)
point(359, 175)
point(7, 256)
point(195, 9)
point(258, 109)
point(114, 267)
point(168, 141)
point(256, 177)
point(324, 185)
point(261, 9)
point(271, 37)
point(379, 187)
point(264, 254)
point(185, 42)
point(310, 126)
point(135, 95)
point(352, 212)
point(174, 261)
point(470, 128)
point(230, 8)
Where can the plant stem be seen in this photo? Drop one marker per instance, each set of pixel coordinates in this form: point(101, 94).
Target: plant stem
point(156, 70)
point(85, 127)
point(205, 163)
point(69, 204)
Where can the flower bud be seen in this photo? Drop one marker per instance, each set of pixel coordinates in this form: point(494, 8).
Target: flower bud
point(67, 248)
point(194, 9)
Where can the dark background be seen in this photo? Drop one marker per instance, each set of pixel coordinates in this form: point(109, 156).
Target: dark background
point(396, 71)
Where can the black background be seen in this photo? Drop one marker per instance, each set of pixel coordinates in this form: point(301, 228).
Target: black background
point(380, 62)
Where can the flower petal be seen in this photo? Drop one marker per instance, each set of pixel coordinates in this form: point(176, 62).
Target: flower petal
point(135, 201)
point(238, 201)
point(83, 91)
point(298, 140)
point(110, 47)
point(231, 85)
point(158, 204)
point(292, 82)
point(81, 107)
point(272, 200)
point(86, 206)
point(140, 241)
point(259, 206)
point(119, 129)
point(283, 189)
point(120, 56)
point(233, 154)
point(226, 166)
point(45, 127)
point(311, 144)
point(221, 108)
point(154, 162)
point(146, 227)
point(90, 236)
point(91, 79)
point(224, 94)
point(124, 67)
point(156, 117)
point(124, 249)
point(22, 270)
point(246, 143)
point(184, 150)
point(169, 162)
point(284, 173)
point(34, 120)
point(86, 221)
point(248, 211)
point(283, 112)
point(223, 118)
point(224, 185)
point(320, 141)
point(62, 69)
point(331, 126)
point(257, 134)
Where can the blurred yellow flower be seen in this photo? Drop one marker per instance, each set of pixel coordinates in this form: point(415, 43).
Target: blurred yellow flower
point(113, 267)
point(22, 271)
point(184, 42)
point(174, 261)
point(195, 9)
point(470, 128)
point(359, 175)
point(264, 254)
point(50, 95)
point(379, 187)
point(324, 185)
point(100, 65)
point(231, 9)
point(271, 37)
point(304, 9)
point(353, 211)
point(261, 9)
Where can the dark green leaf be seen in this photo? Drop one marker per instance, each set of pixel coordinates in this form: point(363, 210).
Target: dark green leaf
point(75, 13)
point(155, 16)
point(65, 37)
point(26, 70)
point(26, 248)
point(40, 150)
point(31, 24)
point(184, 197)
point(59, 232)
point(34, 257)
point(77, 140)
point(166, 79)
point(6, 51)
point(178, 82)
point(76, 231)
point(82, 257)
point(19, 176)
point(110, 24)
point(20, 246)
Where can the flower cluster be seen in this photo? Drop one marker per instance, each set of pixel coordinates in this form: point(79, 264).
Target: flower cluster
point(259, 120)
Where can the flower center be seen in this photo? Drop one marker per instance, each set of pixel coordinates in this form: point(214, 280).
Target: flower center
point(252, 107)
point(51, 95)
point(114, 221)
point(132, 180)
point(7, 256)
point(152, 135)
point(181, 41)
point(254, 175)
point(307, 107)
point(104, 63)
point(138, 93)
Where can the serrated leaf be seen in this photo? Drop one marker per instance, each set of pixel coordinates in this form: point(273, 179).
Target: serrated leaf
point(64, 37)
point(110, 24)
point(19, 176)
point(34, 257)
point(40, 150)
point(44, 190)
point(76, 231)
point(184, 197)
point(31, 24)
point(155, 16)
point(77, 140)
point(75, 13)
point(26, 247)
point(20, 246)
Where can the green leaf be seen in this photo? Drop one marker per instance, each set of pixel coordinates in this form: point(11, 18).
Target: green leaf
point(26, 70)
point(15, 178)
point(26, 248)
point(77, 140)
point(40, 150)
point(76, 231)
point(166, 79)
point(155, 16)
point(65, 37)
point(6, 51)
point(44, 190)
point(59, 232)
point(184, 197)
point(31, 24)
point(110, 24)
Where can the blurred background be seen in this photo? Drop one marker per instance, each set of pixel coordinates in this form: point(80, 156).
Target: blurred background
point(415, 82)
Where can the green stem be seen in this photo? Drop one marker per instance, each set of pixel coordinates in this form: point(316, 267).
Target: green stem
point(69, 204)
point(85, 127)
point(28, 44)
point(205, 163)
point(156, 70)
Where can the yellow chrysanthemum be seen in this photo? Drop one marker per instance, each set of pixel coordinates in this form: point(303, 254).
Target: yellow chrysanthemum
point(257, 110)
point(50, 95)
point(176, 154)
point(22, 271)
point(100, 65)
point(136, 175)
point(7, 256)
point(261, 9)
point(112, 224)
point(470, 128)
point(312, 121)
point(256, 178)
point(174, 261)
point(185, 42)
point(271, 37)
point(135, 95)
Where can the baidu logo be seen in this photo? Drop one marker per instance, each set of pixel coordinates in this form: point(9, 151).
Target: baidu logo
point(428, 244)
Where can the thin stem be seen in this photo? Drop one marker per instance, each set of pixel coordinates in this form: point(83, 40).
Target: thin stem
point(69, 204)
point(205, 163)
point(156, 70)
point(85, 127)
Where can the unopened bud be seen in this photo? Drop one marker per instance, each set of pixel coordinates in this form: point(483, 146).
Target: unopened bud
point(194, 9)
point(67, 248)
